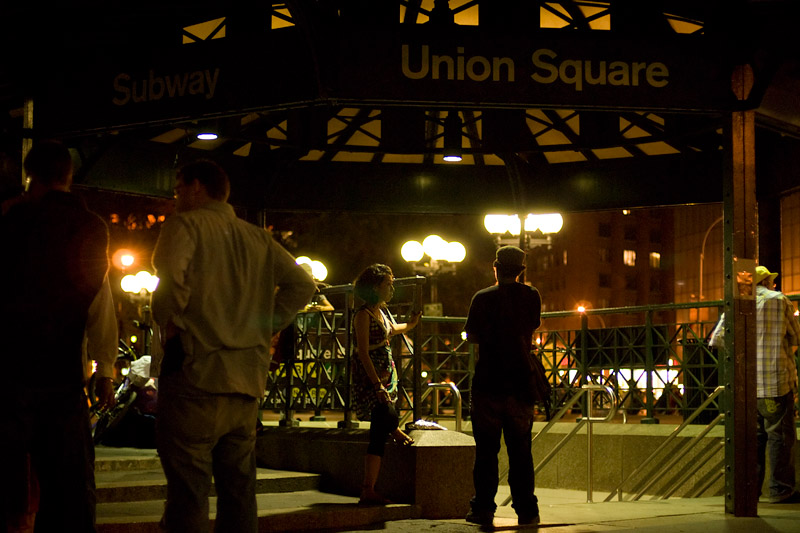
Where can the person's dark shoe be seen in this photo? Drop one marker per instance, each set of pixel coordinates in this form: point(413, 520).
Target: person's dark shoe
point(370, 497)
point(484, 518)
point(792, 498)
point(525, 520)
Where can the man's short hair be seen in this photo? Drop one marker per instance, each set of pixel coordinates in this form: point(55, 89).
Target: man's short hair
point(210, 175)
point(508, 271)
point(509, 262)
point(48, 162)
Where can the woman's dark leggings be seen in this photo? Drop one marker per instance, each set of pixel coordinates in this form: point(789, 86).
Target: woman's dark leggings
point(384, 421)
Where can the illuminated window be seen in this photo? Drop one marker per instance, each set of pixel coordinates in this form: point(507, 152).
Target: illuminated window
point(281, 17)
point(564, 259)
point(205, 31)
point(655, 260)
point(629, 257)
point(595, 15)
point(685, 25)
point(465, 12)
point(604, 255)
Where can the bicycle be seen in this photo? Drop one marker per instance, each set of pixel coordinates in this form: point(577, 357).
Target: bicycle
point(134, 370)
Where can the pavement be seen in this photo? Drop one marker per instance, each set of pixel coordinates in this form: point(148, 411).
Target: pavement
point(567, 511)
point(560, 510)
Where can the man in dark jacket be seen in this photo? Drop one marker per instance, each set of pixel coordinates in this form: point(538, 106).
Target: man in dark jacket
point(502, 319)
point(57, 301)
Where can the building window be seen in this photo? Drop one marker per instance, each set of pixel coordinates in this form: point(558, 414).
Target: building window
point(604, 254)
point(655, 260)
point(604, 229)
point(629, 257)
point(655, 284)
point(602, 303)
point(655, 236)
point(564, 258)
point(604, 280)
point(630, 282)
point(630, 233)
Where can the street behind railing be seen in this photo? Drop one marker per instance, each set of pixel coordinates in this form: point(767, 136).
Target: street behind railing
point(656, 365)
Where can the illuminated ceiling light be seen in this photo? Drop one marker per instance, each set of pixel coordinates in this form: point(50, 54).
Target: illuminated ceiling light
point(452, 137)
point(207, 136)
point(208, 131)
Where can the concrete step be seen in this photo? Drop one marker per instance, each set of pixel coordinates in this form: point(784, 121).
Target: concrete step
point(131, 488)
point(150, 484)
point(109, 459)
point(308, 510)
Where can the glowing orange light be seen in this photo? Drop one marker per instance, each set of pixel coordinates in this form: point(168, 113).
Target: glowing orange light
point(123, 258)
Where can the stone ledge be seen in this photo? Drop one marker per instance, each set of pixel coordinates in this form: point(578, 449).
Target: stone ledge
point(434, 473)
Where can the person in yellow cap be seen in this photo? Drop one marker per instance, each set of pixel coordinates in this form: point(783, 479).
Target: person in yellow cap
point(777, 331)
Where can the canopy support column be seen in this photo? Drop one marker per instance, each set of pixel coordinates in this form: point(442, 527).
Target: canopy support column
point(739, 364)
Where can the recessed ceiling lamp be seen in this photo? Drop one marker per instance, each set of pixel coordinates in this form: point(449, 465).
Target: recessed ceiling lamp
point(452, 137)
point(208, 132)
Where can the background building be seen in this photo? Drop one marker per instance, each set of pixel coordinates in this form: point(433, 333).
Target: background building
point(605, 259)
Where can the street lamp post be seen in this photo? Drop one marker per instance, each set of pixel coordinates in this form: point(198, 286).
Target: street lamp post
point(318, 269)
point(582, 310)
point(140, 287)
point(510, 230)
point(442, 257)
point(702, 261)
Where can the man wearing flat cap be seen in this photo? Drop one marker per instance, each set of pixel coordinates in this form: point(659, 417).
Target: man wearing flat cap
point(777, 332)
point(502, 319)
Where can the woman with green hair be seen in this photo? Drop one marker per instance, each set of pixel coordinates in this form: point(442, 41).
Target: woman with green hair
point(374, 372)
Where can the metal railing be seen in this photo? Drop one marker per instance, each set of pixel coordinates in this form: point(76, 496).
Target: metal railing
point(435, 387)
point(587, 421)
point(676, 456)
point(656, 366)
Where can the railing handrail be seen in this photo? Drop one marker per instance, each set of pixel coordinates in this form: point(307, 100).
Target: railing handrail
point(587, 389)
point(618, 489)
point(435, 387)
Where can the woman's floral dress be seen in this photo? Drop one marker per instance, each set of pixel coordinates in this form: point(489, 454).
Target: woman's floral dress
point(364, 397)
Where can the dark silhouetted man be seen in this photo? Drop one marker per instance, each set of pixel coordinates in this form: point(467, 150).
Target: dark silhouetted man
point(56, 306)
point(501, 320)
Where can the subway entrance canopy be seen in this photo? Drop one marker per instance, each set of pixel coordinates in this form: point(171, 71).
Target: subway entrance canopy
point(349, 105)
